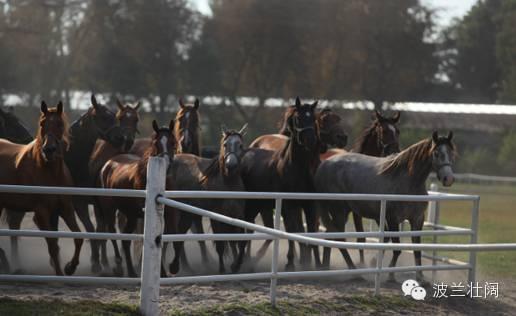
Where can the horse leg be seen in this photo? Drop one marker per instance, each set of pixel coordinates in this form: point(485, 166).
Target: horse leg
point(68, 215)
point(171, 222)
point(394, 227)
point(290, 222)
point(197, 228)
point(126, 245)
point(14, 220)
point(268, 221)
point(340, 220)
point(110, 225)
point(220, 245)
point(42, 220)
point(239, 259)
point(81, 209)
point(185, 222)
point(312, 226)
point(359, 227)
point(416, 223)
point(4, 264)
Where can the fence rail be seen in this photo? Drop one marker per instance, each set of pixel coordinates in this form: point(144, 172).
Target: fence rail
point(156, 198)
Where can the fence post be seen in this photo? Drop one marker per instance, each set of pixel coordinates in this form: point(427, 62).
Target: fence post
point(437, 211)
point(275, 252)
point(379, 256)
point(153, 229)
point(430, 216)
point(473, 240)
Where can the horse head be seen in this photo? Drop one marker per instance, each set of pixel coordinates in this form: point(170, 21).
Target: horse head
point(330, 129)
point(127, 116)
point(163, 140)
point(187, 126)
point(387, 133)
point(231, 150)
point(52, 135)
point(302, 125)
point(105, 123)
point(443, 152)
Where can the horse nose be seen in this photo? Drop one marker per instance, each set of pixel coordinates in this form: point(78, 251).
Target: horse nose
point(448, 180)
point(49, 150)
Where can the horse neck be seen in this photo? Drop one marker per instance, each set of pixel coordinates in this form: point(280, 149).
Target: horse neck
point(419, 169)
point(370, 145)
point(295, 156)
point(284, 130)
point(32, 151)
point(82, 143)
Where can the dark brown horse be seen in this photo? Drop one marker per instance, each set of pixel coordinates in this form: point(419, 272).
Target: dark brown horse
point(41, 163)
point(127, 171)
point(289, 169)
point(128, 118)
point(403, 173)
point(189, 172)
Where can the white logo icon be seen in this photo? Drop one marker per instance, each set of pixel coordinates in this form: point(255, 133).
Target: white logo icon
point(418, 293)
point(408, 285)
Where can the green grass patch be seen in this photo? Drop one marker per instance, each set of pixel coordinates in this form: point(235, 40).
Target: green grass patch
point(497, 224)
point(82, 308)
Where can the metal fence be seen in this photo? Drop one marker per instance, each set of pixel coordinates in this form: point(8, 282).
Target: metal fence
point(156, 198)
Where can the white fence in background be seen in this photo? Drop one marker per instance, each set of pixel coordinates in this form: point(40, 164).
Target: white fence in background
point(153, 238)
point(481, 179)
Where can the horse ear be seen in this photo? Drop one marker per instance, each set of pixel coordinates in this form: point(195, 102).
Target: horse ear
point(435, 136)
point(181, 104)
point(119, 104)
point(44, 107)
point(378, 115)
point(137, 107)
point(396, 117)
point(60, 108)
point(298, 102)
point(243, 130)
point(196, 104)
point(224, 130)
point(94, 101)
point(314, 105)
point(450, 136)
point(155, 126)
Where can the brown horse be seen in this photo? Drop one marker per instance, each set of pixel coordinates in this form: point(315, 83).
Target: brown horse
point(128, 118)
point(127, 171)
point(290, 169)
point(189, 172)
point(187, 134)
point(402, 173)
point(41, 163)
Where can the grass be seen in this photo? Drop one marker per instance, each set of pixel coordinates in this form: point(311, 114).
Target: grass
point(497, 224)
point(82, 308)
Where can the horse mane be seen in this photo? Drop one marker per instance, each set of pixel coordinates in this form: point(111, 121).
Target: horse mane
point(283, 123)
point(407, 159)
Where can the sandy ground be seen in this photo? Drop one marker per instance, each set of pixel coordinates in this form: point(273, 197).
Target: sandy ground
point(35, 260)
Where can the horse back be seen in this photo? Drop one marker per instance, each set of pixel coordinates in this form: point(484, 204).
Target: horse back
point(270, 142)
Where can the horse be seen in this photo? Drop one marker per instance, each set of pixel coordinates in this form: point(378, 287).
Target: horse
point(331, 134)
point(98, 122)
point(128, 171)
point(189, 172)
point(41, 163)
point(127, 118)
point(187, 134)
point(402, 173)
point(289, 169)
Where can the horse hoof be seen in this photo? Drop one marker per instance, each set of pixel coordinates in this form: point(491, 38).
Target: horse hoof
point(235, 268)
point(173, 268)
point(289, 267)
point(70, 268)
point(96, 268)
point(118, 271)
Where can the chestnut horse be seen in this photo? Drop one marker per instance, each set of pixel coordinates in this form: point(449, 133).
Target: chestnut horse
point(402, 173)
point(289, 169)
point(189, 172)
point(41, 163)
point(127, 171)
point(96, 123)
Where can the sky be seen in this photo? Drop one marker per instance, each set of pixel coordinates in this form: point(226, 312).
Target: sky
point(450, 8)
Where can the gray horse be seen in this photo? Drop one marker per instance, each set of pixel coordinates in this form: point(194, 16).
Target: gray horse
point(403, 173)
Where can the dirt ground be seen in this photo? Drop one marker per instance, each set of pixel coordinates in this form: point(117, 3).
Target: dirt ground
point(190, 299)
